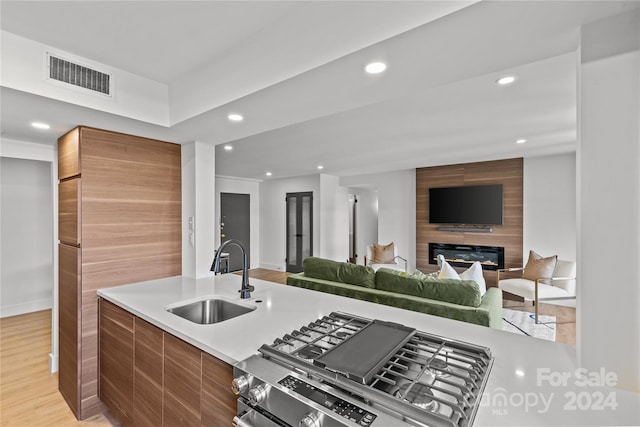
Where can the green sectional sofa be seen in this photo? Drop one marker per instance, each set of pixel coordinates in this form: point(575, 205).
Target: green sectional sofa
point(451, 298)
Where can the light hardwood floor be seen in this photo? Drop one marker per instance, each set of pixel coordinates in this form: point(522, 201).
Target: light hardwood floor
point(29, 392)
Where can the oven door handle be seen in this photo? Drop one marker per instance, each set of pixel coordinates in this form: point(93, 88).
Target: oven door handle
point(253, 418)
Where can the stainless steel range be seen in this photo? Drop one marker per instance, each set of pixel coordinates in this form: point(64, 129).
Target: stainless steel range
point(345, 370)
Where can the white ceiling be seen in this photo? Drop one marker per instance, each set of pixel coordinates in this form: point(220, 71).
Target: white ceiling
point(437, 102)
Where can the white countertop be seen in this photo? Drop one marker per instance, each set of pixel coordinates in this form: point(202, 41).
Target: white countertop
point(525, 386)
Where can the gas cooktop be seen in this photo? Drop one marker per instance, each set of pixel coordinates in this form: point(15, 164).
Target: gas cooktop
point(344, 370)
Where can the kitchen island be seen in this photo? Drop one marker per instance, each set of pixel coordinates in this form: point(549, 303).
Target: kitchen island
point(532, 382)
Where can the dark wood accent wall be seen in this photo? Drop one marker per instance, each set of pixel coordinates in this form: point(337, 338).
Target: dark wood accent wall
point(120, 205)
point(509, 173)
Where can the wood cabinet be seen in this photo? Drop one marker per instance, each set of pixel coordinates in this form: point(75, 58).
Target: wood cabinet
point(166, 381)
point(182, 383)
point(218, 404)
point(69, 211)
point(116, 361)
point(69, 324)
point(69, 154)
point(120, 208)
point(147, 374)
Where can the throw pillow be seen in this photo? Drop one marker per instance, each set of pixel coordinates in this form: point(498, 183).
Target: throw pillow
point(447, 272)
point(383, 254)
point(538, 267)
point(475, 273)
point(472, 273)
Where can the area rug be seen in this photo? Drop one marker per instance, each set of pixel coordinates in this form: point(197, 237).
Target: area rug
point(523, 323)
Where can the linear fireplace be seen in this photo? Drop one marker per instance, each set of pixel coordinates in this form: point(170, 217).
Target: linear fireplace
point(490, 257)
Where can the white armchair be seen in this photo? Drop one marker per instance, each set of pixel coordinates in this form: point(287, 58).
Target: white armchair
point(561, 284)
point(398, 263)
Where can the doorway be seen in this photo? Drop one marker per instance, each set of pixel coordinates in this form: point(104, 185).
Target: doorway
point(299, 230)
point(235, 223)
point(353, 253)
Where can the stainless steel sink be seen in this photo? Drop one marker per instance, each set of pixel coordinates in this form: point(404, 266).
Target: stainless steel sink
point(210, 310)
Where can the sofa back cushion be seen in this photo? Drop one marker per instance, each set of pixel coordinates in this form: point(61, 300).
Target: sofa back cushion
point(342, 272)
point(461, 292)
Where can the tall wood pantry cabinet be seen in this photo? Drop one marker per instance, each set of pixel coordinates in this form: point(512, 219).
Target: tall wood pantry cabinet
point(119, 222)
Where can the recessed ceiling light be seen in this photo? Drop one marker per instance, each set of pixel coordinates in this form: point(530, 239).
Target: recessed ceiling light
point(320, 167)
point(375, 67)
point(520, 373)
point(268, 174)
point(506, 80)
point(228, 147)
point(40, 125)
point(520, 141)
point(235, 117)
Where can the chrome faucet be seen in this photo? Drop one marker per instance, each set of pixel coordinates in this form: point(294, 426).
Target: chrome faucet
point(245, 289)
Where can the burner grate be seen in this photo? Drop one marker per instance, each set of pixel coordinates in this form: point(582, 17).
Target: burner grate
point(437, 380)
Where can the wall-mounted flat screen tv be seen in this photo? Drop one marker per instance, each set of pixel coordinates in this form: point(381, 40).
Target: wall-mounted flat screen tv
point(470, 205)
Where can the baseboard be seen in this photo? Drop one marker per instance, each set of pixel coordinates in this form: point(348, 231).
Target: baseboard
point(24, 308)
point(275, 267)
point(564, 302)
point(53, 363)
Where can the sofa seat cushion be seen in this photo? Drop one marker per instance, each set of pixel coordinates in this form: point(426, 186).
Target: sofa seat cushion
point(341, 272)
point(461, 292)
point(526, 289)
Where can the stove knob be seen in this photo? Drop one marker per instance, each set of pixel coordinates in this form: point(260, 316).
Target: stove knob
point(310, 420)
point(257, 394)
point(239, 385)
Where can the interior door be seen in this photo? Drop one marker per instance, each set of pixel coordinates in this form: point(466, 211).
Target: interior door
point(299, 229)
point(235, 222)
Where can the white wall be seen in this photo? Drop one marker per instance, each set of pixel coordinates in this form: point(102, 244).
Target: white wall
point(366, 220)
point(396, 209)
point(334, 219)
point(27, 268)
point(242, 186)
point(198, 201)
point(15, 149)
point(273, 217)
point(188, 170)
point(608, 324)
point(550, 206)
point(397, 213)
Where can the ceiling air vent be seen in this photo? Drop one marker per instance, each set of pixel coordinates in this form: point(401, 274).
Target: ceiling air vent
point(78, 75)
